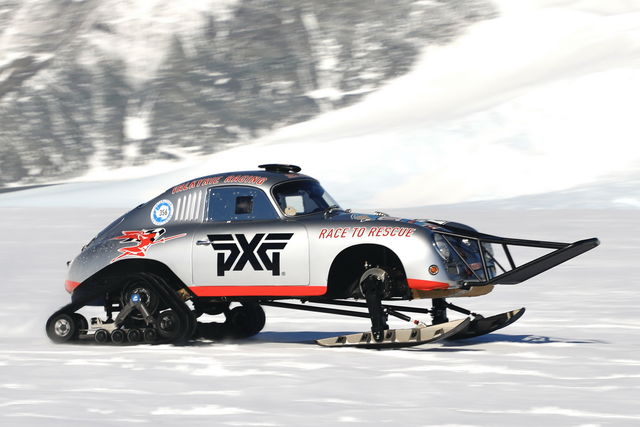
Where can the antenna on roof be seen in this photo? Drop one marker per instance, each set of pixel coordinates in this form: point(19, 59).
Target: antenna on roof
point(274, 167)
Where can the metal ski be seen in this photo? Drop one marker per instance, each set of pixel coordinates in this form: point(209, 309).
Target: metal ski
point(484, 325)
point(395, 338)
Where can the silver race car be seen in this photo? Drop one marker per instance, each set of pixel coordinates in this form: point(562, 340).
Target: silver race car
point(228, 244)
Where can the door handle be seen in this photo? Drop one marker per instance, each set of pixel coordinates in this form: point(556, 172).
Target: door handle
point(203, 242)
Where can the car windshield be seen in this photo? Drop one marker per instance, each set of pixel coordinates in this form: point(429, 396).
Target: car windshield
point(302, 198)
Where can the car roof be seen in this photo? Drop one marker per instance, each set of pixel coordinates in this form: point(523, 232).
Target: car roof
point(264, 179)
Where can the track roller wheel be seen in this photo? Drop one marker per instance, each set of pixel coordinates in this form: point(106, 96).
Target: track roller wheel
point(135, 335)
point(101, 336)
point(150, 335)
point(118, 336)
point(62, 327)
point(246, 320)
point(169, 325)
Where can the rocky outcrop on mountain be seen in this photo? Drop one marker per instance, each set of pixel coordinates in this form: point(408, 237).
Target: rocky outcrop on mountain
point(115, 83)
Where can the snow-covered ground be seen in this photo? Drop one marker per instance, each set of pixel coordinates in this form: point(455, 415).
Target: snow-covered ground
point(572, 360)
point(542, 99)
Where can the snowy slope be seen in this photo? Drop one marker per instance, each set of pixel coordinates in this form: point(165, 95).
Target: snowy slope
point(506, 110)
point(115, 83)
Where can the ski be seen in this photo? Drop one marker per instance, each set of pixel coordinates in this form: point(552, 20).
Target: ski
point(395, 338)
point(485, 325)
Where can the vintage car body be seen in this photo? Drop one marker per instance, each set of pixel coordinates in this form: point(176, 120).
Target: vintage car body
point(277, 255)
point(260, 236)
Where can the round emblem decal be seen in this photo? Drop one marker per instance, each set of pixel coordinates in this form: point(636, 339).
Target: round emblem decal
point(162, 212)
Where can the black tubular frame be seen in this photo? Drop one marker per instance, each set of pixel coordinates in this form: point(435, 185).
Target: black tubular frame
point(517, 274)
point(304, 307)
point(392, 310)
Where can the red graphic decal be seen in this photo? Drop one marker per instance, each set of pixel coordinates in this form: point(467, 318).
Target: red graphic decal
point(426, 285)
point(195, 184)
point(390, 231)
point(143, 239)
point(70, 285)
point(245, 179)
point(341, 233)
point(242, 179)
point(334, 233)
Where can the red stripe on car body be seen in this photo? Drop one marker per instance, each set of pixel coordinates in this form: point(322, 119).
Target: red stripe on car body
point(245, 291)
point(426, 285)
point(70, 285)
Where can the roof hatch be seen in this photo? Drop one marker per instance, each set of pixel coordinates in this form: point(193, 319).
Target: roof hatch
point(274, 167)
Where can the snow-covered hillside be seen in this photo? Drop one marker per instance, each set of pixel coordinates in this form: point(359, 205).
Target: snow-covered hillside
point(118, 83)
point(506, 110)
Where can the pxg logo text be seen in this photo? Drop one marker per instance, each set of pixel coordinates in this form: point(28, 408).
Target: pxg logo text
point(235, 254)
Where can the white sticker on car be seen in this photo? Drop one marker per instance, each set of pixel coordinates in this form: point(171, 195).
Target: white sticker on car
point(162, 212)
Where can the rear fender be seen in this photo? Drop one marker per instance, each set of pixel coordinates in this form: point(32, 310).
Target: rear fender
point(109, 277)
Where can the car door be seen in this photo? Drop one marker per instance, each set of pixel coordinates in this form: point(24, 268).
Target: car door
point(244, 248)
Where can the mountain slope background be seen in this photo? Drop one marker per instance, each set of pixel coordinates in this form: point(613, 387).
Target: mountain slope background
point(110, 84)
point(536, 101)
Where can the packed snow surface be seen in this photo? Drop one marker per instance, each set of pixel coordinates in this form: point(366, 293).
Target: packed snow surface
point(572, 360)
point(540, 99)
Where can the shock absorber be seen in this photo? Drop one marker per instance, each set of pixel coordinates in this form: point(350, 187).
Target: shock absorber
point(439, 311)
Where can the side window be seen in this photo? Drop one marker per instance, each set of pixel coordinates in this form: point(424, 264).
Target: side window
point(239, 204)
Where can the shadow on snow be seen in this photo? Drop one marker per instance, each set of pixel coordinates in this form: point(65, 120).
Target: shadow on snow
point(309, 337)
point(524, 339)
